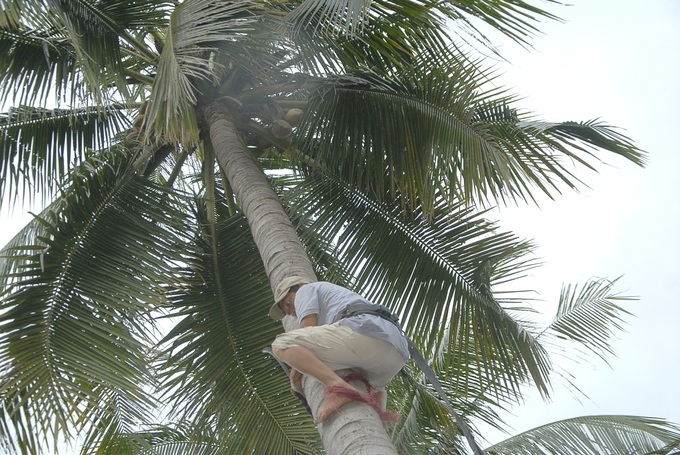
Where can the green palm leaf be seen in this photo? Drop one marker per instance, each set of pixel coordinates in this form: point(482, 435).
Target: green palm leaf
point(73, 347)
point(38, 146)
point(81, 46)
point(25, 243)
point(179, 439)
point(594, 434)
point(441, 130)
point(514, 18)
point(392, 36)
point(587, 137)
point(216, 374)
point(426, 424)
point(432, 130)
point(196, 29)
point(96, 30)
point(431, 275)
point(335, 16)
point(42, 60)
point(587, 315)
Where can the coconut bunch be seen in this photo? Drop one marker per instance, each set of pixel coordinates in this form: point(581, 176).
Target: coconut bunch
point(279, 126)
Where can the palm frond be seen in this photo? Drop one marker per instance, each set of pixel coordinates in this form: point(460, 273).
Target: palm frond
point(196, 29)
point(594, 434)
point(394, 37)
point(515, 19)
point(588, 316)
point(39, 146)
point(119, 15)
point(426, 424)
point(587, 137)
point(82, 47)
point(180, 438)
point(433, 130)
point(215, 372)
point(80, 44)
point(96, 31)
point(95, 44)
point(12, 253)
point(75, 310)
point(335, 17)
point(14, 12)
point(42, 61)
point(438, 280)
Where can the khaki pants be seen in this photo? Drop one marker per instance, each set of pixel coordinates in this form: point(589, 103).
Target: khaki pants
point(340, 347)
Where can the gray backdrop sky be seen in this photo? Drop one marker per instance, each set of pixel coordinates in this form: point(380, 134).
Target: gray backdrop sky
point(616, 60)
point(619, 61)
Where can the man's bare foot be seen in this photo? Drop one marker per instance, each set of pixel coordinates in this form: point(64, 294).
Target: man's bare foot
point(332, 402)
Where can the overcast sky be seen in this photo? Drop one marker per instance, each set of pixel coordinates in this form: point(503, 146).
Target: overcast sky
point(616, 60)
point(619, 61)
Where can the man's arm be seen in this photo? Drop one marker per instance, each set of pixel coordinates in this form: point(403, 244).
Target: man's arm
point(309, 321)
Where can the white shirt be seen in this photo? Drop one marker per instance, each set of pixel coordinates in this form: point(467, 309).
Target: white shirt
point(328, 301)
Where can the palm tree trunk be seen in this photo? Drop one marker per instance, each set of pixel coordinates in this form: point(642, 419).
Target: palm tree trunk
point(357, 429)
point(281, 250)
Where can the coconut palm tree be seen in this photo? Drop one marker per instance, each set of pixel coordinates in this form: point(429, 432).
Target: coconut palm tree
point(192, 154)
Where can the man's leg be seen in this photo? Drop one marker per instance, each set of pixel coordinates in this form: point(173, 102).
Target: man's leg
point(306, 362)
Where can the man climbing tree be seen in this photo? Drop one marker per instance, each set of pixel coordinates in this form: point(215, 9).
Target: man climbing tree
point(202, 149)
point(328, 341)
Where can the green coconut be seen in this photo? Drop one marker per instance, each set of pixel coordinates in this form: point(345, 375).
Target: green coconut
point(293, 116)
point(281, 129)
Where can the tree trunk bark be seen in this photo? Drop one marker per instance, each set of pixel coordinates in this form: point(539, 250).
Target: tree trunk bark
point(357, 429)
point(281, 251)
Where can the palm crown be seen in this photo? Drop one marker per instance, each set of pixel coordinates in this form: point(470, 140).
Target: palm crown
point(134, 306)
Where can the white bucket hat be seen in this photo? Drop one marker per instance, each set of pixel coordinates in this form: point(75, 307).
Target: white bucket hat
point(280, 293)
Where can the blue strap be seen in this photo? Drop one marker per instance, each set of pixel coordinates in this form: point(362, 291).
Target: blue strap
point(385, 313)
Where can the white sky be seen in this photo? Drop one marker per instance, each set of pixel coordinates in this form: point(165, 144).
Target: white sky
point(616, 60)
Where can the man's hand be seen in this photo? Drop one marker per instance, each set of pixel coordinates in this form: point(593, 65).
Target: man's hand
point(296, 381)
